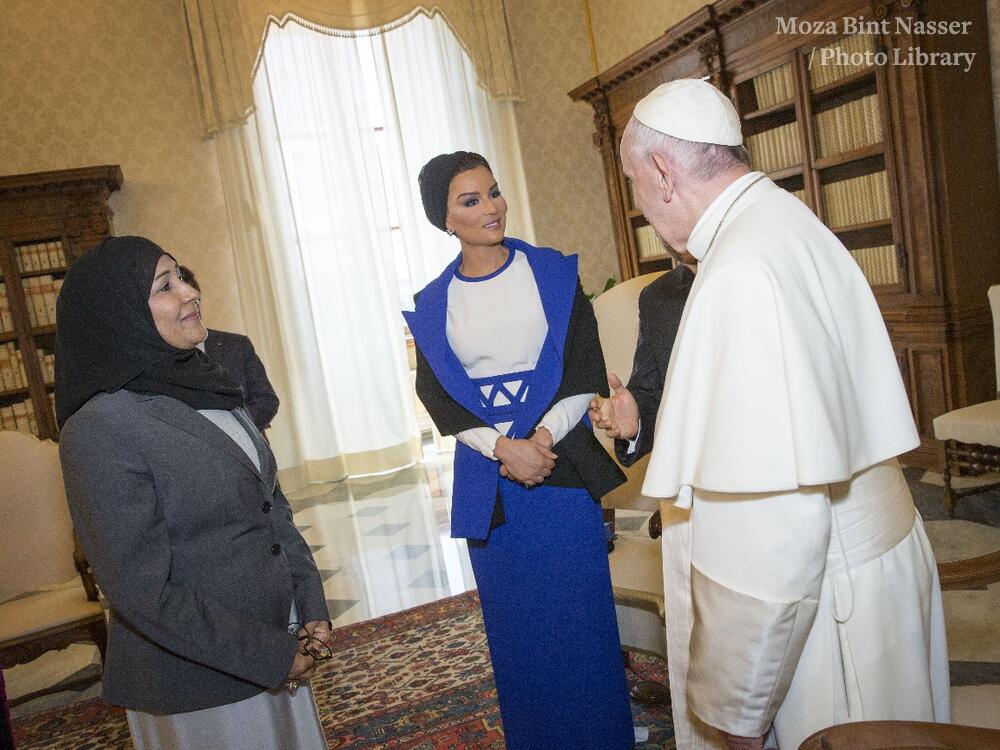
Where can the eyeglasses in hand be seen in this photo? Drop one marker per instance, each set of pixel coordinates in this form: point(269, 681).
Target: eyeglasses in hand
point(309, 644)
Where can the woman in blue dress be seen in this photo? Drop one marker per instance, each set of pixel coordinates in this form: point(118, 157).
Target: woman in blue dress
point(508, 359)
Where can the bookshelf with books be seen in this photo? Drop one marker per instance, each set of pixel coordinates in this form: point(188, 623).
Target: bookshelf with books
point(46, 220)
point(898, 160)
point(651, 252)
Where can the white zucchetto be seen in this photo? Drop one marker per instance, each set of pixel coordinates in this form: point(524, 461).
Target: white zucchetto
point(692, 110)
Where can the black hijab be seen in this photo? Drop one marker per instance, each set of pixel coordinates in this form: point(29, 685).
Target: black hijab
point(106, 339)
point(435, 179)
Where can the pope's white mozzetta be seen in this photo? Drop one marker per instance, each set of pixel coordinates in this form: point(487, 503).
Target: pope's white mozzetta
point(783, 374)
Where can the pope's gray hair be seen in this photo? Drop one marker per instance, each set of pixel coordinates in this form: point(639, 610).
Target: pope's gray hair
point(700, 161)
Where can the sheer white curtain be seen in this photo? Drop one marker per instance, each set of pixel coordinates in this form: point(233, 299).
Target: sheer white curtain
point(324, 208)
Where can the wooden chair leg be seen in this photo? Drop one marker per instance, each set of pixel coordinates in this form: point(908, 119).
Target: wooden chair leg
point(99, 634)
point(646, 692)
point(649, 693)
point(950, 501)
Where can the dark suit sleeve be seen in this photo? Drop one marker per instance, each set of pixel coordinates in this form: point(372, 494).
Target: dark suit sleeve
point(310, 600)
point(583, 360)
point(584, 371)
point(645, 385)
point(261, 400)
point(115, 510)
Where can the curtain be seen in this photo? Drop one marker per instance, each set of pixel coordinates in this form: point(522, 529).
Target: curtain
point(227, 37)
point(261, 231)
point(321, 249)
point(336, 253)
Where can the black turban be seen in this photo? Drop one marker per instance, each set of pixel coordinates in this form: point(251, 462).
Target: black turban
point(106, 338)
point(435, 179)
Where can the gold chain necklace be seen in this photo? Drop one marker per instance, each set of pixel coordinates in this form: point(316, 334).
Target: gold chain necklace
point(719, 226)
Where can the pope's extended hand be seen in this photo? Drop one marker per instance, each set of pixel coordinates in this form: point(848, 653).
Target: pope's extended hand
point(618, 415)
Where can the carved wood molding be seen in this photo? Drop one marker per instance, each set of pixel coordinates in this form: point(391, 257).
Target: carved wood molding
point(886, 8)
point(675, 45)
point(603, 129)
point(107, 177)
point(714, 62)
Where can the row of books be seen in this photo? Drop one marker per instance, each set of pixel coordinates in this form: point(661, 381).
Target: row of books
point(6, 321)
point(878, 264)
point(40, 294)
point(849, 126)
point(774, 86)
point(19, 416)
point(649, 243)
point(40, 256)
point(775, 149)
point(840, 59)
point(12, 374)
point(858, 200)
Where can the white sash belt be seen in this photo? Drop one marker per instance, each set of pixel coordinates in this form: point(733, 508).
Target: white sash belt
point(872, 513)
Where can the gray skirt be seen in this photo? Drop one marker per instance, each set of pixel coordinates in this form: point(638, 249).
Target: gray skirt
point(272, 720)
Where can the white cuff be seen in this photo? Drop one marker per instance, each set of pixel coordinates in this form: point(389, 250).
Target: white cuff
point(564, 415)
point(633, 444)
point(482, 439)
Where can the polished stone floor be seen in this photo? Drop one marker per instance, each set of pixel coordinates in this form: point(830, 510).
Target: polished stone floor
point(382, 544)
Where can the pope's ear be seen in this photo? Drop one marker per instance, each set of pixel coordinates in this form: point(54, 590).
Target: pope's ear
point(664, 176)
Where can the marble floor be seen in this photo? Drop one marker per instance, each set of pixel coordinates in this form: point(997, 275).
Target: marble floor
point(382, 545)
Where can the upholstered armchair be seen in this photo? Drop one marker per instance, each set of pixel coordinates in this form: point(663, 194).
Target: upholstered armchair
point(636, 561)
point(972, 435)
point(48, 598)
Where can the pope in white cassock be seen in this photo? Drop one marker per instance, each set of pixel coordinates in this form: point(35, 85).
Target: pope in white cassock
point(800, 587)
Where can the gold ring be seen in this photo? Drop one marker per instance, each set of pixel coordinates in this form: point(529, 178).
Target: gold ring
point(291, 685)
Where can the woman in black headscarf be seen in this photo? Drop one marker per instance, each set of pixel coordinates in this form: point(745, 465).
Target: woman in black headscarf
point(173, 494)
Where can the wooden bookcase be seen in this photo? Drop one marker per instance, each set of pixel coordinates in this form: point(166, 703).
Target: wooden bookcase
point(899, 160)
point(47, 219)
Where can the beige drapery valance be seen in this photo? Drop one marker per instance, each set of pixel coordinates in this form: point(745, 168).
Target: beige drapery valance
point(227, 38)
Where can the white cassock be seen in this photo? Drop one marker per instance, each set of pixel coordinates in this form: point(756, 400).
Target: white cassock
point(801, 590)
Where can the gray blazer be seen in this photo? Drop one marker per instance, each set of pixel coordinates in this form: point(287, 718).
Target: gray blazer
point(194, 549)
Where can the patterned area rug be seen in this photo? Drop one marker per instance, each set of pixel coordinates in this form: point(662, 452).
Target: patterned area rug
point(415, 680)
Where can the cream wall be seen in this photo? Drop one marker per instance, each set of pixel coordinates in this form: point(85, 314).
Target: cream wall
point(563, 168)
point(85, 83)
point(563, 171)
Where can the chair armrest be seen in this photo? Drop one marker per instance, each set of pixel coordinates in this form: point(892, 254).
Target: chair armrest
point(911, 735)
